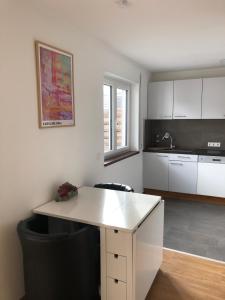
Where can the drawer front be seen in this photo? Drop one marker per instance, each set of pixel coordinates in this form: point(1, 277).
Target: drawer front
point(183, 157)
point(117, 267)
point(118, 242)
point(116, 290)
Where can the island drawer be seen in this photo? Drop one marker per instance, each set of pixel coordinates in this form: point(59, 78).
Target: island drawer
point(116, 289)
point(118, 242)
point(117, 266)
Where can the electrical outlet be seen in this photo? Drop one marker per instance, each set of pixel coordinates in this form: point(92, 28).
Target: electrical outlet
point(214, 144)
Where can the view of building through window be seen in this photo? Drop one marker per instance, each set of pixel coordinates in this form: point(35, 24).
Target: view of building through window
point(107, 123)
point(115, 118)
point(121, 118)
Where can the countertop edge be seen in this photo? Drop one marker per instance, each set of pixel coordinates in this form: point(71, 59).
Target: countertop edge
point(190, 152)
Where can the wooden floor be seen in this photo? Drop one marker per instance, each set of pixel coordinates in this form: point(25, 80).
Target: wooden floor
point(186, 277)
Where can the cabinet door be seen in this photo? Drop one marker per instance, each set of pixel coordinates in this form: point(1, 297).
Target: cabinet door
point(156, 171)
point(148, 252)
point(187, 99)
point(160, 100)
point(213, 99)
point(183, 177)
point(211, 179)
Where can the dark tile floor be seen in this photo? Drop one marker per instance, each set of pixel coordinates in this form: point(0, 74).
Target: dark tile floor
point(195, 227)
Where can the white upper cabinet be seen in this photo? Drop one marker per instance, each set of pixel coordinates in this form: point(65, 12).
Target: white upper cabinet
point(213, 99)
point(160, 100)
point(187, 99)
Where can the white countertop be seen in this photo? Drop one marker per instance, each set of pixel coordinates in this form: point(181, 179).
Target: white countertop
point(103, 208)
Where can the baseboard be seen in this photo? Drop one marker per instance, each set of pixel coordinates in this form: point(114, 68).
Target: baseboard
point(194, 255)
point(182, 196)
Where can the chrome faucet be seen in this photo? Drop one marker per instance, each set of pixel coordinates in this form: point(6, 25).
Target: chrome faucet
point(166, 136)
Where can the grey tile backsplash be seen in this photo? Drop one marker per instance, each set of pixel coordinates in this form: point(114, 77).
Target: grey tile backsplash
point(188, 134)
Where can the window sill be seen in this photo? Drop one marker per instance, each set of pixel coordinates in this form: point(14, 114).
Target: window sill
point(113, 160)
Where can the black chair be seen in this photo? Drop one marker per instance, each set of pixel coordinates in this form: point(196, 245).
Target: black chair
point(59, 266)
point(115, 186)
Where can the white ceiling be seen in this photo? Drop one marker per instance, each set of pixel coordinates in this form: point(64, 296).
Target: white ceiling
point(159, 34)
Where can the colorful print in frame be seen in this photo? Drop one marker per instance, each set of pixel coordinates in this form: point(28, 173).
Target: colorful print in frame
point(55, 86)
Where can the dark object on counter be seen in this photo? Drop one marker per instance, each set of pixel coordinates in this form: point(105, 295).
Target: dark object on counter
point(115, 186)
point(66, 191)
point(60, 266)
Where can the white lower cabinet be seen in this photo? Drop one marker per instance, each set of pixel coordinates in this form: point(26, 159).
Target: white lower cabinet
point(170, 172)
point(182, 173)
point(183, 177)
point(156, 170)
point(211, 179)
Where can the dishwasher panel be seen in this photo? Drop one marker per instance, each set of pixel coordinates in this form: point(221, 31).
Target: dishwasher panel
point(211, 177)
point(211, 159)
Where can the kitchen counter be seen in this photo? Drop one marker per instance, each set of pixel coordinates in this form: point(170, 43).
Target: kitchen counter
point(103, 207)
point(207, 152)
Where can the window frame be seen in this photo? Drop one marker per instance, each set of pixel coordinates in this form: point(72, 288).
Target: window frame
point(117, 84)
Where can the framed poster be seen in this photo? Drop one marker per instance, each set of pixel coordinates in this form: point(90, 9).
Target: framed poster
point(55, 86)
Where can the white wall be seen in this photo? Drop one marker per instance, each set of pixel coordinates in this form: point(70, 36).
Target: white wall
point(34, 161)
point(186, 74)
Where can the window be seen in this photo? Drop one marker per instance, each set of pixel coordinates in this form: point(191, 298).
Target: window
point(116, 116)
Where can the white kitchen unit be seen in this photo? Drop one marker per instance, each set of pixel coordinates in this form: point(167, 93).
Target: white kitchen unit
point(156, 170)
point(183, 171)
point(211, 176)
point(160, 100)
point(131, 232)
point(187, 99)
point(213, 98)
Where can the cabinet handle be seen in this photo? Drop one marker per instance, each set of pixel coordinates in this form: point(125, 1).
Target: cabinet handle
point(116, 281)
point(177, 116)
point(115, 231)
point(187, 157)
point(177, 164)
point(116, 256)
point(161, 155)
